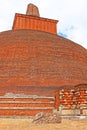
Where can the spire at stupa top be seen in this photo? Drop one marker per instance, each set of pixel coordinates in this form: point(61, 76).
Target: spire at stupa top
point(32, 10)
point(32, 21)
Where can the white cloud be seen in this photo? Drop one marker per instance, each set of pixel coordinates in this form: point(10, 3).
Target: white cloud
point(70, 13)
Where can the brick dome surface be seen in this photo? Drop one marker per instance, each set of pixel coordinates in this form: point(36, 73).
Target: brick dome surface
point(40, 59)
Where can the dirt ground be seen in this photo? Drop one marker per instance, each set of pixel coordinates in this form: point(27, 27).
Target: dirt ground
point(26, 124)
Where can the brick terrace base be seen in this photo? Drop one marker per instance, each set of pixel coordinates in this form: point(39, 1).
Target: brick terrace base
point(25, 105)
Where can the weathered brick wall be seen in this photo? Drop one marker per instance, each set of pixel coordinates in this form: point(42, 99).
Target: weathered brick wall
point(74, 98)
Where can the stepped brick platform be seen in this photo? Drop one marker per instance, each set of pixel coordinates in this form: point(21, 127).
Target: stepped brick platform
point(22, 105)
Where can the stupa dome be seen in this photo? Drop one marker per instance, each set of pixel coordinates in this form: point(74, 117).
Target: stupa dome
point(34, 57)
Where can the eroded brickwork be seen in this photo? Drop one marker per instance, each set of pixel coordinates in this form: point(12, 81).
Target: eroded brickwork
point(74, 98)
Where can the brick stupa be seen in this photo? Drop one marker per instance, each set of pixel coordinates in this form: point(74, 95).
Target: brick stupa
point(34, 60)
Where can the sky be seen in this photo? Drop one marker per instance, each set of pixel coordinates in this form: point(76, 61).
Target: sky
point(71, 14)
